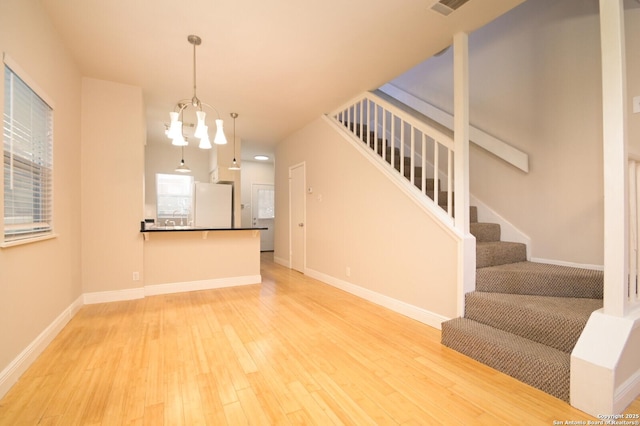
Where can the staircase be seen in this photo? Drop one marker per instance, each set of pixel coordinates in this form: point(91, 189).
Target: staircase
point(385, 151)
point(524, 318)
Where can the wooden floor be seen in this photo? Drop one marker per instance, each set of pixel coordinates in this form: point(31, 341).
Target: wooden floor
point(289, 351)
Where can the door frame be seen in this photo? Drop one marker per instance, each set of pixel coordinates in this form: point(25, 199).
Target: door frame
point(292, 225)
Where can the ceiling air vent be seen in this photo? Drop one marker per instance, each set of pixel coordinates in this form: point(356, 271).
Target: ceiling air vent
point(446, 7)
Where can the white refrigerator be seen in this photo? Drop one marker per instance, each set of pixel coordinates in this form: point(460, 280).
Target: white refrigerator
point(212, 205)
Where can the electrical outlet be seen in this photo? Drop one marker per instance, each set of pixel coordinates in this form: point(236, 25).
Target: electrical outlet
point(348, 271)
point(136, 276)
point(636, 104)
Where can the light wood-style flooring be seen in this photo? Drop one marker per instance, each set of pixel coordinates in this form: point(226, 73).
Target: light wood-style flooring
point(289, 351)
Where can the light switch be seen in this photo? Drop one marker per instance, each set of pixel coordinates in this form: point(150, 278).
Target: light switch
point(636, 104)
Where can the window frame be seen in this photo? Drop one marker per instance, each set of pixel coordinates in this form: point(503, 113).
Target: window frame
point(44, 171)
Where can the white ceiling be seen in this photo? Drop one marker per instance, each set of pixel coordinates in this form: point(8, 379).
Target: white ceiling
point(278, 63)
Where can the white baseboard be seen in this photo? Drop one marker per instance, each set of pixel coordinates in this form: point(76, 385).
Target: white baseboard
point(10, 375)
point(168, 288)
point(626, 393)
point(571, 264)
point(422, 315)
point(282, 261)
point(113, 296)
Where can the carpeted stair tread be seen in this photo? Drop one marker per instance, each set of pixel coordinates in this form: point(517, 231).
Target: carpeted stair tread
point(541, 279)
point(430, 183)
point(379, 145)
point(499, 252)
point(533, 363)
point(485, 232)
point(552, 321)
point(442, 197)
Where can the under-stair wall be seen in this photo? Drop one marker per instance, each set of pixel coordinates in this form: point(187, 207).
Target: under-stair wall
point(362, 233)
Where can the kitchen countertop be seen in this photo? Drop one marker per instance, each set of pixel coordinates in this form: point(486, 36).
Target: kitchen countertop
point(179, 228)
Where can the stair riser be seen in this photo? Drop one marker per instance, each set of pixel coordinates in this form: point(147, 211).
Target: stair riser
point(548, 328)
point(509, 279)
point(491, 254)
point(485, 232)
point(473, 214)
point(552, 378)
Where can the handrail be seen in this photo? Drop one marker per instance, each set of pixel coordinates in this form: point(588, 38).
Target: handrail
point(422, 153)
point(495, 146)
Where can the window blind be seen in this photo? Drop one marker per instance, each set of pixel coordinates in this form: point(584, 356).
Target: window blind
point(174, 195)
point(28, 161)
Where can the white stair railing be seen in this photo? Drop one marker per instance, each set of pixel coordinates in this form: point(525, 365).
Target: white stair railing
point(407, 144)
point(633, 291)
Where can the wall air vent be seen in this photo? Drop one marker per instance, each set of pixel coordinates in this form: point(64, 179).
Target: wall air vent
point(447, 7)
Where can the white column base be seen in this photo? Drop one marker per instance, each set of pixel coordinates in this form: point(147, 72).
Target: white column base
point(605, 364)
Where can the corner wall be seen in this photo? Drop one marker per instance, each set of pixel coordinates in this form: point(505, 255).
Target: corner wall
point(358, 220)
point(40, 282)
point(113, 136)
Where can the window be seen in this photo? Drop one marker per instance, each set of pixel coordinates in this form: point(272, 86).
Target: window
point(28, 162)
point(266, 204)
point(174, 197)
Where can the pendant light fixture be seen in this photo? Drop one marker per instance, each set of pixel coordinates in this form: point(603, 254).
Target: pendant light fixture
point(174, 131)
point(234, 165)
point(182, 168)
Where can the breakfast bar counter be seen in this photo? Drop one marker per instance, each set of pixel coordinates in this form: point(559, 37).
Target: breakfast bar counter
point(188, 258)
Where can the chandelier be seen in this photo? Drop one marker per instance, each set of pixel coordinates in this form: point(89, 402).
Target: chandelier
point(174, 131)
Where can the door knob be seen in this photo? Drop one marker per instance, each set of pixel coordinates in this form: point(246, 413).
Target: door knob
point(301, 224)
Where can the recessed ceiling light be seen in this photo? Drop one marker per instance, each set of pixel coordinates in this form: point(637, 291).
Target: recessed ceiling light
point(261, 157)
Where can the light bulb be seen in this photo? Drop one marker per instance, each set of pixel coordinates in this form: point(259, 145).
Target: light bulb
point(220, 139)
point(201, 128)
point(205, 143)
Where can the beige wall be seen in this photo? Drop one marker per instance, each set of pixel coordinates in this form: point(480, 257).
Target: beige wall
point(113, 135)
point(535, 82)
point(39, 281)
point(357, 218)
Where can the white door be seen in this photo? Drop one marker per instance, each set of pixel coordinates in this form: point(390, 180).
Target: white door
point(262, 213)
point(297, 216)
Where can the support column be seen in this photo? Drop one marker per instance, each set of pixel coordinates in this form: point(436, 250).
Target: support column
point(616, 221)
point(467, 248)
point(461, 130)
point(605, 363)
